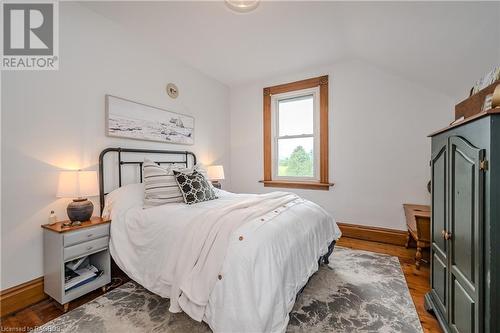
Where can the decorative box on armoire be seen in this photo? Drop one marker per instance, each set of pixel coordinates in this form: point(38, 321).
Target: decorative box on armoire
point(465, 225)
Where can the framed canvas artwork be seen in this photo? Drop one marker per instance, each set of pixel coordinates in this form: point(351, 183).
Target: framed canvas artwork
point(132, 120)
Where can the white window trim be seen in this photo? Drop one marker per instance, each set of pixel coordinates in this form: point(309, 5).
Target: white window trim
point(315, 135)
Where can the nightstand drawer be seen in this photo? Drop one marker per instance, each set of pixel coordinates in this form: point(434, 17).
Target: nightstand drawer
point(83, 235)
point(86, 248)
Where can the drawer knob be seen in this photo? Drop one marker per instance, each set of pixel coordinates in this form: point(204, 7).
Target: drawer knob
point(89, 248)
point(90, 235)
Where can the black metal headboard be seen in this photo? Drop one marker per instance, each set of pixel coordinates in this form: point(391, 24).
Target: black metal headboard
point(184, 155)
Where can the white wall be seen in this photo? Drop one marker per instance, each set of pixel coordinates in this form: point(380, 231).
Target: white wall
point(55, 120)
point(379, 152)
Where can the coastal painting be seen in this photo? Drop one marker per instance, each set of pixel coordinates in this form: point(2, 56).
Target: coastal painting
point(128, 119)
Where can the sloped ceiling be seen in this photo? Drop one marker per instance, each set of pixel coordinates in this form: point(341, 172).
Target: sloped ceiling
point(446, 46)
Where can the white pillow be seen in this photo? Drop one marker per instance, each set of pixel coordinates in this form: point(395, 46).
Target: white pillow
point(122, 199)
point(160, 186)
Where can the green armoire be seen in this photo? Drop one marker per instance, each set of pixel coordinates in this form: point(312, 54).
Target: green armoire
point(465, 250)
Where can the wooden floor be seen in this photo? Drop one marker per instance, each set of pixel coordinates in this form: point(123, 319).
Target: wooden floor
point(418, 283)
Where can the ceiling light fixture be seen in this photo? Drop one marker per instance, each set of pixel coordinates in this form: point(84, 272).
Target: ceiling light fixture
point(242, 6)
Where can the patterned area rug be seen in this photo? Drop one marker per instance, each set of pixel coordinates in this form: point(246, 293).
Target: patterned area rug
point(358, 292)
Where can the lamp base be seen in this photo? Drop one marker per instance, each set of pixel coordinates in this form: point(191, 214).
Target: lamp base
point(216, 184)
point(80, 209)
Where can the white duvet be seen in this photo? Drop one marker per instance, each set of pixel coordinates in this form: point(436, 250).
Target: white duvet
point(266, 264)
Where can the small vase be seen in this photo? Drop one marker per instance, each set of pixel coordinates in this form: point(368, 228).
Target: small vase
point(80, 210)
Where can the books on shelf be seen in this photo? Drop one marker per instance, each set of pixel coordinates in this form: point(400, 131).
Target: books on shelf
point(81, 276)
point(74, 264)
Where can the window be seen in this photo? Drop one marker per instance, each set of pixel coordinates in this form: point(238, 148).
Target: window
point(296, 134)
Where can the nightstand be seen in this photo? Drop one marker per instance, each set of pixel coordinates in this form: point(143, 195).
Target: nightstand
point(64, 244)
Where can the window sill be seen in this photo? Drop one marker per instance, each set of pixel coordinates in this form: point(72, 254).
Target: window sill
point(297, 184)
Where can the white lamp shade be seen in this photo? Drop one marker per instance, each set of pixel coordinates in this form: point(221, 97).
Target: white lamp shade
point(77, 184)
point(215, 172)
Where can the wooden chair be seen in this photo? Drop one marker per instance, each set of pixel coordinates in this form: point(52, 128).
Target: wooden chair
point(418, 220)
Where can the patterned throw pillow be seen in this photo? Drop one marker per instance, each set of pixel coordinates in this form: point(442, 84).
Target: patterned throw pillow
point(194, 187)
point(160, 186)
point(197, 167)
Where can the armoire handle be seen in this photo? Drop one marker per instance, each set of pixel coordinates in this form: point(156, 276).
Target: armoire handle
point(446, 235)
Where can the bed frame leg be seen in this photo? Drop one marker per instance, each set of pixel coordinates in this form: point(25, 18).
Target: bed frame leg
point(321, 259)
point(327, 255)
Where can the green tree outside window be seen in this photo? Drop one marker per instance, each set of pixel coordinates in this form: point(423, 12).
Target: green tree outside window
point(299, 164)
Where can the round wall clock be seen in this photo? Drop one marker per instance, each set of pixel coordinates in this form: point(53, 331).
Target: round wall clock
point(172, 90)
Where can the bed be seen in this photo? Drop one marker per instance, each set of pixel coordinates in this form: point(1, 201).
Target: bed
point(266, 264)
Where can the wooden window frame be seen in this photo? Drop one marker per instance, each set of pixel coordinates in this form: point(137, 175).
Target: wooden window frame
point(323, 183)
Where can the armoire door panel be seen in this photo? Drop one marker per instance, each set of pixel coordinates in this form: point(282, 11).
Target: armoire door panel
point(439, 174)
point(462, 318)
point(439, 281)
point(465, 228)
point(439, 181)
point(462, 214)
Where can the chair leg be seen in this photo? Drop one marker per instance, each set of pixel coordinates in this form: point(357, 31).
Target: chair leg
point(418, 256)
point(408, 235)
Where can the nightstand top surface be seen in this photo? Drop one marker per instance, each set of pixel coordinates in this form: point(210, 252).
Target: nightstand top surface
point(60, 228)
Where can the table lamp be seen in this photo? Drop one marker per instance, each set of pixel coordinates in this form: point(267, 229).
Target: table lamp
point(78, 185)
point(215, 173)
